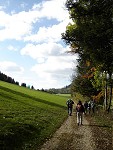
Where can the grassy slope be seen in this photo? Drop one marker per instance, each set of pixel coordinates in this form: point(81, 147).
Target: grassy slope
point(28, 117)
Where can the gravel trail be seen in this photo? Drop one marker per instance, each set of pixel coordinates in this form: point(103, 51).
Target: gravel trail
point(70, 136)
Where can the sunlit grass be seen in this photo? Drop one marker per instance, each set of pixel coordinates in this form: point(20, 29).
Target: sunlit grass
point(65, 95)
point(28, 117)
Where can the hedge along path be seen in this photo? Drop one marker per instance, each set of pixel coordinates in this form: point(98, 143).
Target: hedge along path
point(70, 136)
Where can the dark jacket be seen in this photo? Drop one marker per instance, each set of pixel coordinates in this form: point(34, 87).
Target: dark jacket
point(86, 105)
point(80, 108)
point(70, 103)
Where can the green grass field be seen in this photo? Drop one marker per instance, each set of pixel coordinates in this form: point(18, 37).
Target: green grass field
point(65, 95)
point(28, 117)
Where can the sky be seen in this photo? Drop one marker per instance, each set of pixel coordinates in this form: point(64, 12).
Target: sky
point(31, 48)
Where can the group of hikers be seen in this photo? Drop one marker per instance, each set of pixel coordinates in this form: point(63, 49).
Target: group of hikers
point(81, 109)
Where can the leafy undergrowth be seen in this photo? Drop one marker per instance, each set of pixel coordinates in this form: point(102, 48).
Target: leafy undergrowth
point(28, 117)
point(102, 127)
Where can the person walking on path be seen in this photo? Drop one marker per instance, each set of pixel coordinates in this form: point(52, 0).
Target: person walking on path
point(80, 110)
point(86, 107)
point(93, 105)
point(89, 107)
point(70, 106)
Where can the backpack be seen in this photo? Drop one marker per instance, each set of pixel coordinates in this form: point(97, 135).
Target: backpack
point(79, 107)
point(86, 105)
point(69, 103)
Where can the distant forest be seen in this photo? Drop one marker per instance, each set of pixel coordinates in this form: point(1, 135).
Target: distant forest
point(8, 79)
point(64, 90)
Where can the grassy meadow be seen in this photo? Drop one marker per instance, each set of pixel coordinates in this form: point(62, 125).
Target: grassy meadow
point(28, 117)
point(65, 95)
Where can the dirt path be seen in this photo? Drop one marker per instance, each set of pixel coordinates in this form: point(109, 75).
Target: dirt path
point(70, 136)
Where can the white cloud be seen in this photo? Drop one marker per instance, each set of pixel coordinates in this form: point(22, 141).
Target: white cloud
point(53, 9)
point(48, 34)
point(12, 70)
point(12, 48)
point(43, 50)
point(53, 66)
point(56, 72)
point(2, 7)
point(17, 26)
point(8, 66)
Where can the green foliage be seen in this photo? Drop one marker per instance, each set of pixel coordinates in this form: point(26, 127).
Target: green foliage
point(91, 35)
point(83, 86)
point(98, 80)
point(91, 30)
point(78, 97)
point(28, 117)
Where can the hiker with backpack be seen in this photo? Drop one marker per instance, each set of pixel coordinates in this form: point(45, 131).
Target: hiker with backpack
point(86, 107)
point(93, 105)
point(89, 107)
point(80, 110)
point(70, 106)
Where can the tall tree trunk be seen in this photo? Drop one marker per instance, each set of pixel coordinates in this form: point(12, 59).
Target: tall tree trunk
point(105, 99)
point(110, 76)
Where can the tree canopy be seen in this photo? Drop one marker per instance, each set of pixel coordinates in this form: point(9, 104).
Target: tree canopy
point(90, 35)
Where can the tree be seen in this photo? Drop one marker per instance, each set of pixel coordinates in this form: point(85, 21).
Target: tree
point(23, 84)
point(82, 81)
point(92, 31)
point(32, 87)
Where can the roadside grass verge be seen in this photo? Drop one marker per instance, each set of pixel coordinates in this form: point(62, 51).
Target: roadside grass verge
point(104, 119)
point(101, 124)
point(28, 117)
